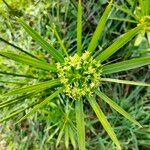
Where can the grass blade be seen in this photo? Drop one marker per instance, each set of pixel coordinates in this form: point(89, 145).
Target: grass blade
point(80, 124)
point(103, 120)
point(39, 86)
point(45, 45)
point(59, 39)
point(117, 107)
point(99, 29)
point(125, 82)
point(126, 65)
point(20, 110)
point(36, 107)
point(121, 41)
point(79, 29)
point(29, 61)
point(72, 137)
point(20, 49)
point(17, 75)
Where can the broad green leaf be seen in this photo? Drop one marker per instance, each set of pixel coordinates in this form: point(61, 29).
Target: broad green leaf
point(103, 120)
point(79, 29)
point(121, 41)
point(39, 86)
point(17, 75)
point(80, 124)
point(45, 45)
point(126, 65)
point(18, 48)
point(36, 107)
point(99, 29)
point(29, 61)
point(117, 107)
point(125, 82)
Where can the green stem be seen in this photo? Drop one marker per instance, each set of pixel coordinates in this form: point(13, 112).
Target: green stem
point(80, 124)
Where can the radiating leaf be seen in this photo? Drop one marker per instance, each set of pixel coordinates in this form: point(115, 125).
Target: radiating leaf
point(126, 65)
point(29, 61)
point(17, 75)
point(39, 86)
point(36, 107)
point(121, 41)
point(72, 137)
point(60, 135)
point(18, 48)
point(103, 120)
point(125, 82)
point(117, 107)
point(99, 29)
point(79, 28)
point(66, 137)
point(45, 45)
point(59, 39)
point(80, 124)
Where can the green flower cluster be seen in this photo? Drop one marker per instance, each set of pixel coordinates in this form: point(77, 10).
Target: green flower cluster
point(146, 20)
point(79, 75)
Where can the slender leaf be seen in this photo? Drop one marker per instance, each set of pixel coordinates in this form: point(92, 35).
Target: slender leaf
point(60, 135)
point(59, 39)
point(39, 86)
point(17, 75)
point(66, 137)
point(103, 121)
point(116, 107)
point(100, 28)
point(121, 41)
point(80, 124)
point(126, 65)
point(36, 107)
point(29, 61)
point(18, 48)
point(79, 29)
point(45, 45)
point(18, 111)
point(72, 137)
point(125, 82)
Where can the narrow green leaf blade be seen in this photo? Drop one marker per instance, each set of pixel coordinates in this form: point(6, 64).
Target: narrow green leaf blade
point(36, 107)
point(126, 65)
point(117, 107)
point(99, 29)
point(29, 61)
point(59, 39)
point(72, 137)
point(39, 86)
point(79, 28)
point(125, 82)
point(103, 120)
point(45, 45)
point(80, 124)
point(121, 41)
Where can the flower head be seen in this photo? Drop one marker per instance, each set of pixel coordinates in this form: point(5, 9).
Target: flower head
point(79, 75)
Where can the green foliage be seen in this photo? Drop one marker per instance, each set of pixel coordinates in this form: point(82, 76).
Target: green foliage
point(44, 92)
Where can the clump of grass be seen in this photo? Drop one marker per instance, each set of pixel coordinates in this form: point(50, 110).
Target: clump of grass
point(76, 78)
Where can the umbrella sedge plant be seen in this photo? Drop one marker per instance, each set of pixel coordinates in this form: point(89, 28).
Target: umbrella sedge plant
point(79, 76)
